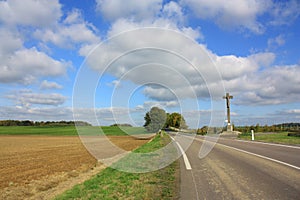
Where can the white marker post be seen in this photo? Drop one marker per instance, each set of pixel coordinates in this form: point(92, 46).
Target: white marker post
point(252, 134)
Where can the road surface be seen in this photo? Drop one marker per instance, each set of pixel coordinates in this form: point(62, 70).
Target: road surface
point(239, 170)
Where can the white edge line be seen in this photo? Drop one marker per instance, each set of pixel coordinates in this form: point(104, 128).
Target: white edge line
point(272, 144)
point(260, 156)
point(259, 142)
point(185, 158)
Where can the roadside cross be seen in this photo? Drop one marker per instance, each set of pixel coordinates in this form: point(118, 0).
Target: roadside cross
point(228, 97)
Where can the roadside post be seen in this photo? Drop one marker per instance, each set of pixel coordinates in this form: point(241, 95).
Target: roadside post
point(252, 134)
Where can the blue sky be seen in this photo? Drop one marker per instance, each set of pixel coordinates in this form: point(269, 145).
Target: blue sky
point(253, 47)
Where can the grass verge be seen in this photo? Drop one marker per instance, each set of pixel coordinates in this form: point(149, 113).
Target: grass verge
point(114, 184)
point(280, 138)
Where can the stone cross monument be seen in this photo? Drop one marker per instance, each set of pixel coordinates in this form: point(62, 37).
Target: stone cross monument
point(228, 97)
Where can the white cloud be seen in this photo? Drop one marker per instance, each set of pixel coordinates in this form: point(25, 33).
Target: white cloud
point(116, 83)
point(73, 30)
point(276, 85)
point(291, 111)
point(264, 59)
point(161, 104)
point(284, 12)
point(276, 42)
point(26, 98)
point(75, 16)
point(231, 66)
point(158, 93)
point(95, 116)
point(172, 10)
point(9, 42)
point(26, 65)
point(193, 33)
point(148, 13)
point(159, 64)
point(136, 10)
point(170, 71)
point(42, 13)
point(50, 85)
point(230, 14)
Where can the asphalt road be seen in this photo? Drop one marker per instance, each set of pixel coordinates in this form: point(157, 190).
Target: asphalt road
point(238, 170)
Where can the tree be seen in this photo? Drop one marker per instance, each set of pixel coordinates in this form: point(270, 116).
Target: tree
point(155, 119)
point(202, 131)
point(257, 128)
point(176, 120)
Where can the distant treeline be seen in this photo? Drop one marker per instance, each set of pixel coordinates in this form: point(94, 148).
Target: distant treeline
point(42, 123)
point(289, 127)
point(128, 125)
point(269, 128)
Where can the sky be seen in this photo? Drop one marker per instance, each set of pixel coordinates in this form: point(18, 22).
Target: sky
point(110, 61)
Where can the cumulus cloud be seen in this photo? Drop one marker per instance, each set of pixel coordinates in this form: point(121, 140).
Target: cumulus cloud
point(140, 68)
point(137, 10)
point(291, 111)
point(161, 104)
point(284, 12)
point(174, 67)
point(231, 14)
point(26, 65)
point(175, 63)
point(30, 12)
point(36, 113)
point(276, 85)
point(245, 14)
point(73, 30)
point(50, 85)
point(96, 116)
point(107, 115)
point(10, 41)
point(158, 93)
point(173, 10)
point(276, 42)
point(26, 98)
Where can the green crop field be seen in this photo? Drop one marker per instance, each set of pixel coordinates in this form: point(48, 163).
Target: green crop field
point(280, 138)
point(36, 130)
point(70, 130)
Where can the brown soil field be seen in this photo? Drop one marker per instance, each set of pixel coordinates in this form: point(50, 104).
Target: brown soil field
point(40, 167)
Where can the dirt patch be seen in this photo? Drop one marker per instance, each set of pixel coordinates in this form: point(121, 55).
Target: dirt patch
point(40, 167)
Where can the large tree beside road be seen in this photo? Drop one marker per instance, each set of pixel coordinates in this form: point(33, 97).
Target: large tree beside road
point(176, 120)
point(157, 119)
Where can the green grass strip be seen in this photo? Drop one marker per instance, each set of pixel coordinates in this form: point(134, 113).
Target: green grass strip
point(114, 184)
point(38, 130)
point(280, 138)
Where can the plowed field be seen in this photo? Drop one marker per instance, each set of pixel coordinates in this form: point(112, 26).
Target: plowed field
point(34, 164)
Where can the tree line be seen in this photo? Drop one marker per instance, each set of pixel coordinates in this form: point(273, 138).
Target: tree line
point(42, 123)
point(289, 127)
point(269, 128)
point(157, 119)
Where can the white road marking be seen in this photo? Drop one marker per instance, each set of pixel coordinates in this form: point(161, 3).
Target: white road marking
point(272, 144)
point(254, 154)
point(258, 142)
point(185, 158)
